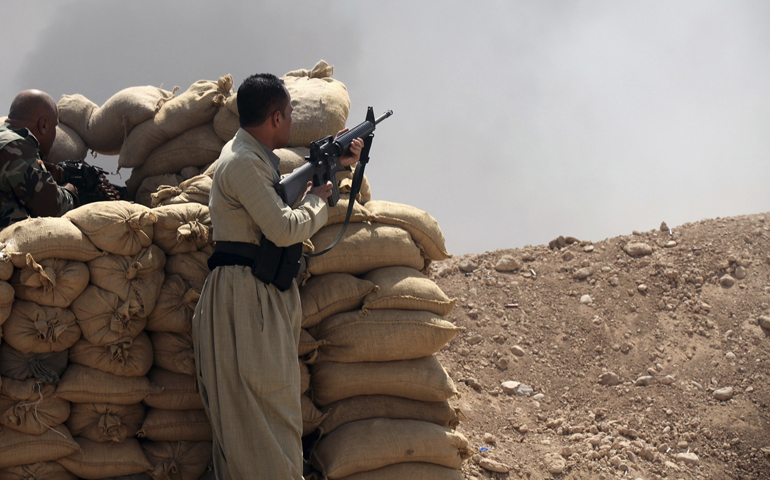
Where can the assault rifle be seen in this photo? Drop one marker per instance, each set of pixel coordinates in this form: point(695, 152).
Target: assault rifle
point(91, 182)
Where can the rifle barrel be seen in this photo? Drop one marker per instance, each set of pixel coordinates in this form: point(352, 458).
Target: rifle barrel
point(383, 116)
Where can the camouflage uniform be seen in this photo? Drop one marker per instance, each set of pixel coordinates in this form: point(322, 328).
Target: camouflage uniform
point(27, 189)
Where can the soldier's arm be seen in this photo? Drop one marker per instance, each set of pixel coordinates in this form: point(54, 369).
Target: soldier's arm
point(31, 184)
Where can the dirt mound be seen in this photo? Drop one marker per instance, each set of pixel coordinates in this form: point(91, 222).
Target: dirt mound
point(639, 356)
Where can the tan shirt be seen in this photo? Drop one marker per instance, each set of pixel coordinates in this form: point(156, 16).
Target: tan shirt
point(244, 204)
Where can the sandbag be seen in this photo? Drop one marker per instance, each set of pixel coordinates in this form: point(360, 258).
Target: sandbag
point(67, 146)
point(174, 351)
point(118, 227)
point(308, 345)
point(304, 376)
point(291, 158)
point(193, 190)
point(176, 425)
point(325, 295)
point(6, 267)
point(363, 248)
point(410, 470)
point(381, 336)
point(105, 318)
point(174, 309)
point(175, 391)
point(37, 471)
point(178, 460)
point(405, 288)
point(46, 237)
point(182, 228)
point(192, 266)
point(53, 282)
point(226, 123)
point(32, 328)
point(97, 460)
point(420, 379)
point(18, 448)
point(127, 357)
point(43, 367)
point(337, 213)
point(345, 185)
point(421, 225)
point(369, 444)
point(311, 416)
point(29, 407)
point(151, 185)
point(105, 422)
point(365, 407)
point(196, 106)
point(81, 384)
point(7, 296)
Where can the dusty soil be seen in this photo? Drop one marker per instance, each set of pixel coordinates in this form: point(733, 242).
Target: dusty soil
point(666, 325)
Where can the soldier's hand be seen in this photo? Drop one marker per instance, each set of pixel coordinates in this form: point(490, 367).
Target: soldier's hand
point(71, 188)
point(352, 156)
point(323, 191)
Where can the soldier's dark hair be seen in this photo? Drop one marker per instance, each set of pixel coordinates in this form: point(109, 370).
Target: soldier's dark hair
point(259, 96)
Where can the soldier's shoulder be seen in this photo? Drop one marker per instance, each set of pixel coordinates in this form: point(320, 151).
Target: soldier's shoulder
point(17, 136)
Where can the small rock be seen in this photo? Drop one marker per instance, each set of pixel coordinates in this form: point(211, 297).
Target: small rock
point(502, 363)
point(666, 380)
point(638, 249)
point(610, 379)
point(474, 339)
point(473, 383)
point(494, 466)
point(664, 227)
point(509, 387)
point(586, 300)
point(588, 248)
point(671, 244)
point(583, 273)
point(724, 393)
point(523, 390)
point(523, 429)
point(571, 240)
point(517, 350)
point(508, 263)
point(645, 380)
point(567, 256)
point(740, 273)
point(764, 321)
point(554, 463)
point(727, 281)
point(614, 281)
point(730, 356)
point(468, 266)
point(489, 438)
point(642, 287)
point(540, 396)
point(687, 458)
point(557, 243)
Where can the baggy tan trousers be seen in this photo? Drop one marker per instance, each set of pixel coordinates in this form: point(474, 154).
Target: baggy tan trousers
point(246, 337)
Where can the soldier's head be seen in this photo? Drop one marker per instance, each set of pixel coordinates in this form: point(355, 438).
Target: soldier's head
point(265, 104)
point(36, 111)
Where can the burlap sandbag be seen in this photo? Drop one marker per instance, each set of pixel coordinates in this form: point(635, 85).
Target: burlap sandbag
point(6, 267)
point(151, 185)
point(345, 185)
point(194, 190)
point(140, 276)
point(196, 106)
point(127, 357)
point(18, 448)
point(105, 318)
point(176, 425)
point(105, 422)
point(174, 309)
point(43, 367)
point(354, 409)
point(46, 237)
point(321, 104)
point(120, 227)
point(363, 248)
point(37, 471)
point(182, 228)
point(325, 295)
point(81, 384)
point(173, 351)
point(32, 328)
point(178, 460)
point(226, 123)
point(423, 227)
point(410, 470)
point(53, 282)
point(176, 391)
point(6, 301)
point(405, 288)
point(337, 213)
point(369, 444)
point(381, 336)
point(97, 460)
point(192, 266)
point(291, 158)
point(104, 128)
point(420, 379)
point(304, 377)
point(29, 407)
point(311, 416)
point(308, 346)
point(67, 146)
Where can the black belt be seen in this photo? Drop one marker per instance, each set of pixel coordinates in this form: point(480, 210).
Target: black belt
point(269, 263)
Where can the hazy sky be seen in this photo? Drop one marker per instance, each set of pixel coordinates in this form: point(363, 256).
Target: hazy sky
point(514, 121)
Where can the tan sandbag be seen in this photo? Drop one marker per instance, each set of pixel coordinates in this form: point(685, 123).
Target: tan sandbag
point(410, 470)
point(126, 357)
point(311, 416)
point(321, 104)
point(176, 391)
point(18, 448)
point(325, 295)
point(140, 276)
point(226, 123)
point(32, 328)
point(151, 185)
point(43, 367)
point(381, 336)
point(363, 248)
point(196, 106)
point(81, 384)
point(118, 227)
point(173, 351)
point(420, 379)
point(105, 318)
point(29, 406)
point(192, 267)
point(6, 301)
point(369, 444)
point(194, 190)
point(37, 471)
point(337, 213)
point(423, 227)
point(174, 309)
point(6, 267)
point(104, 128)
point(46, 237)
point(67, 146)
point(364, 407)
point(291, 158)
point(53, 282)
point(345, 185)
point(405, 288)
point(182, 228)
point(176, 425)
point(102, 460)
point(308, 345)
point(178, 460)
point(105, 422)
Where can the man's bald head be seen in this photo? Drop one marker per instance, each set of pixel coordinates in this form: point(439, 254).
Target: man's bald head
point(36, 111)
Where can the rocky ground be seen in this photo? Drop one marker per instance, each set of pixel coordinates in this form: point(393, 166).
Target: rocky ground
point(638, 357)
